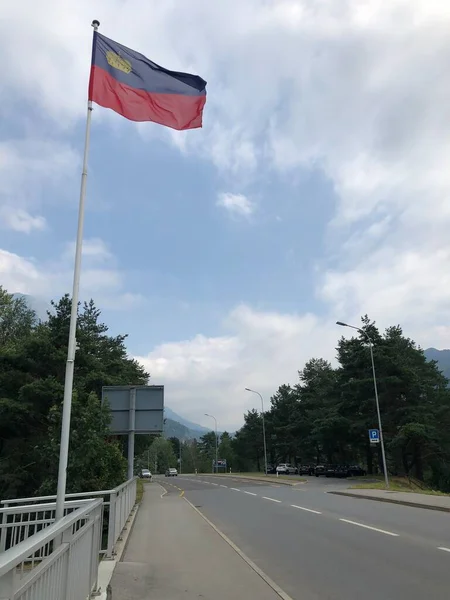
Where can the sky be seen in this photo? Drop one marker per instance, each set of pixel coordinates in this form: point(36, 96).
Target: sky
point(316, 191)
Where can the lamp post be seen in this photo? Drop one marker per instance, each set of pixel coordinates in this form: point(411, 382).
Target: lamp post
point(215, 423)
point(263, 425)
point(383, 455)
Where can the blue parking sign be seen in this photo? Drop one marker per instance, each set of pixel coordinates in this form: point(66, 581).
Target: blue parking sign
point(374, 436)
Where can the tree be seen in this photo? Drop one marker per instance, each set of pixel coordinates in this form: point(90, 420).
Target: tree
point(162, 455)
point(327, 414)
point(16, 319)
point(226, 449)
point(32, 369)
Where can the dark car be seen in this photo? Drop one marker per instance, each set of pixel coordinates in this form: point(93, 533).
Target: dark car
point(271, 470)
point(355, 471)
point(330, 471)
point(306, 470)
point(319, 470)
point(341, 471)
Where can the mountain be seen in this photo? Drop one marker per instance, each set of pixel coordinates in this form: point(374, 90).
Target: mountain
point(176, 426)
point(442, 357)
point(170, 414)
point(39, 306)
point(174, 429)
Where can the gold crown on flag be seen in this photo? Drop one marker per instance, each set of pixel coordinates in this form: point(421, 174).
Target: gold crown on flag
point(117, 62)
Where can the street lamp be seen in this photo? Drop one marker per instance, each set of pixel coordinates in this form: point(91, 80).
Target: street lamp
point(264, 427)
point(215, 422)
point(383, 455)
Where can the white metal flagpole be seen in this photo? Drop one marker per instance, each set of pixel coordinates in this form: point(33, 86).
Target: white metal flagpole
point(68, 383)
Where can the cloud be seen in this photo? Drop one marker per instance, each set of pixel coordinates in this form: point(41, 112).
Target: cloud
point(52, 279)
point(260, 350)
point(236, 204)
point(20, 220)
point(94, 249)
point(31, 169)
point(353, 91)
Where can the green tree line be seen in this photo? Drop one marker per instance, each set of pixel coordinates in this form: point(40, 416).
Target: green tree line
point(326, 415)
point(32, 368)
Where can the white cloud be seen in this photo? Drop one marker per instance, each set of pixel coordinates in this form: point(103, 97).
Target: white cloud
point(52, 279)
point(20, 220)
point(30, 171)
point(261, 350)
point(236, 204)
point(94, 249)
point(355, 90)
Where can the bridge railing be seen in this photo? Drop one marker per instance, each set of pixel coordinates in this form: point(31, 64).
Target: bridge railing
point(21, 518)
point(58, 562)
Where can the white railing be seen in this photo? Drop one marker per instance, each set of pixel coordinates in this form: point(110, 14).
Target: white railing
point(60, 562)
point(23, 517)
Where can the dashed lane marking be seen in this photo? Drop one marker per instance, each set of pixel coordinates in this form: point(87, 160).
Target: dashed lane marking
point(369, 527)
point(250, 493)
point(316, 512)
point(271, 499)
point(235, 489)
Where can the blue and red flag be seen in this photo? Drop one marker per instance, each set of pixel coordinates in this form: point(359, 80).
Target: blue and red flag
point(140, 90)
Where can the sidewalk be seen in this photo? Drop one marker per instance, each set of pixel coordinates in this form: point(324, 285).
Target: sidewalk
point(173, 554)
point(406, 498)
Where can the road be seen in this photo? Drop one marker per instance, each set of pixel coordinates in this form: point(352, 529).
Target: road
point(319, 546)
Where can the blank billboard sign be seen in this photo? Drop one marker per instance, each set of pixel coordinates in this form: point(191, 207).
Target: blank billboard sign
point(148, 401)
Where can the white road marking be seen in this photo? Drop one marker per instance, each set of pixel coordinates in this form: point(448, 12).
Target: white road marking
point(316, 512)
point(225, 486)
point(369, 527)
point(444, 549)
point(235, 489)
point(271, 499)
point(214, 483)
point(250, 493)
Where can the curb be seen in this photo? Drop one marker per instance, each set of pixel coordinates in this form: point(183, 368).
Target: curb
point(393, 501)
point(272, 481)
point(110, 565)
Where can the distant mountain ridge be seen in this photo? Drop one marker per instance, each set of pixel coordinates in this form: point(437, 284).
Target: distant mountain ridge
point(179, 427)
point(442, 357)
point(39, 306)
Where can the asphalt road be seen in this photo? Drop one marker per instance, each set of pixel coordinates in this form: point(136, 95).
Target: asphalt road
point(318, 546)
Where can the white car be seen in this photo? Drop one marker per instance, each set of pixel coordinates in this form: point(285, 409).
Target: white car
point(145, 474)
point(171, 473)
point(286, 469)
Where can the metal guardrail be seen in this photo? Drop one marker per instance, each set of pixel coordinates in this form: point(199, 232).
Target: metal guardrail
point(22, 518)
point(60, 562)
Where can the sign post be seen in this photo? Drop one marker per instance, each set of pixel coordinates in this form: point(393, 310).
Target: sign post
point(374, 436)
point(135, 409)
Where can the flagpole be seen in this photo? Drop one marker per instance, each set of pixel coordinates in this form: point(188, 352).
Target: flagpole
point(70, 363)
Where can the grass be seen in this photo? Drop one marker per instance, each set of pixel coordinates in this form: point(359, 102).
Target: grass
point(139, 490)
point(396, 484)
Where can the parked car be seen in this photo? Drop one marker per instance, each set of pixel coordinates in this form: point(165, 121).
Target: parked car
point(330, 471)
point(286, 469)
point(320, 470)
point(271, 470)
point(341, 471)
point(171, 473)
point(306, 470)
point(145, 474)
point(356, 471)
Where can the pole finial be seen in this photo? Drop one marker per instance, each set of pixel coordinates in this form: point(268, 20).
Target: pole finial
point(95, 24)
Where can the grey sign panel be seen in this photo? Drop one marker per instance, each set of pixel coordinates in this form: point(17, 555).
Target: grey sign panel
point(149, 407)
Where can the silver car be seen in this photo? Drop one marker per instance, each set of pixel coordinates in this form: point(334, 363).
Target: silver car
point(145, 474)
